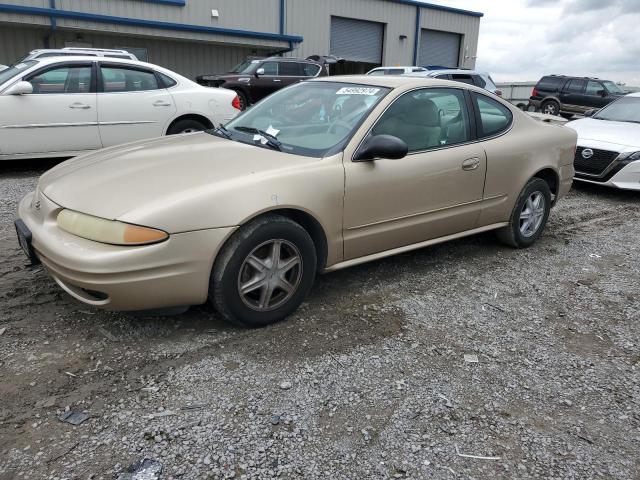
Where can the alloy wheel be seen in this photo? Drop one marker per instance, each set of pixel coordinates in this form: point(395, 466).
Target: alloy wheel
point(532, 214)
point(270, 275)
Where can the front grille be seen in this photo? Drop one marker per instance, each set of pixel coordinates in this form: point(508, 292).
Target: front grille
point(595, 165)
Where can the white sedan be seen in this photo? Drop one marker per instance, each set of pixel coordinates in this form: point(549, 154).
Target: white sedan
point(63, 106)
point(609, 145)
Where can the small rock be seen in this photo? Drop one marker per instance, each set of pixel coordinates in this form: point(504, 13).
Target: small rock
point(275, 419)
point(286, 385)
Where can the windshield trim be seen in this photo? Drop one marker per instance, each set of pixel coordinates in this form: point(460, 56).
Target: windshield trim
point(308, 152)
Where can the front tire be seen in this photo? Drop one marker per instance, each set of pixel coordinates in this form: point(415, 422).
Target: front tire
point(264, 272)
point(529, 216)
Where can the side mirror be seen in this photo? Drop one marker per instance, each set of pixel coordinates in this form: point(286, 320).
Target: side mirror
point(590, 113)
point(259, 72)
point(382, 146)
point(20, 88)
point(602, 93)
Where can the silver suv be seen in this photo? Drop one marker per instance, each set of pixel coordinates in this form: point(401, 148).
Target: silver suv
point(479, 79)
point(74, 51)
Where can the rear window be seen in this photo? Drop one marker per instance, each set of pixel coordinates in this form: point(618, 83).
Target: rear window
point(310, 70)
point(550, 83)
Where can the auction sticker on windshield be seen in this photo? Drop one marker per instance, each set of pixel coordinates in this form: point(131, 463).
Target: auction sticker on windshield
point(357, 91)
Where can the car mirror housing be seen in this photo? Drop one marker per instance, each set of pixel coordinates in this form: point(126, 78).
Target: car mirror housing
point(383, 147)
point(590, 113)
point(20, 88)
point(259, 72)
point(602, 93)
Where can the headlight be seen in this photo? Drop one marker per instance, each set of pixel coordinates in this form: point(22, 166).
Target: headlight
point(108, 231)
point(632, 156)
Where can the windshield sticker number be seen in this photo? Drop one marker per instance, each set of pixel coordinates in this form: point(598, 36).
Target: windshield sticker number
point(357, 91)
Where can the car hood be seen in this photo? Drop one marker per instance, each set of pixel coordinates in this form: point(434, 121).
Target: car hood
point(158, 174)
point(617, 133)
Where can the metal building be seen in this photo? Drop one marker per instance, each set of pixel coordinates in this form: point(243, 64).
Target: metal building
point(194, 37)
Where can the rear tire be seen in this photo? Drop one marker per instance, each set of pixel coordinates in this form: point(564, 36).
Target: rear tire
point(186, 125)
point(550, 107)
point(529, 215)
point(264, 272)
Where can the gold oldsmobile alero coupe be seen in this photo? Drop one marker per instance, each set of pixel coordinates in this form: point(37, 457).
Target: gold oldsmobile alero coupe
point(319, 176)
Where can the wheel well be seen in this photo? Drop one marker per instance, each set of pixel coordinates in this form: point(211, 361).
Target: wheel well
point(313, 228)
point(192, 116)
point(551, 177)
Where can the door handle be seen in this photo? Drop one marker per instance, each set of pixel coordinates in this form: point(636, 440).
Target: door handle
point(81, 106)
point(277, 80)
point(471, 163)
point(161, 103)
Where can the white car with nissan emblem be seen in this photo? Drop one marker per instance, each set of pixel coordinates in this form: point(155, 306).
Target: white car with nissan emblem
point(608, 150)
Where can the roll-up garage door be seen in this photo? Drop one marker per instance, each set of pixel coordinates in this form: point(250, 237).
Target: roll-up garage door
point(357, 40)
point(439, 48)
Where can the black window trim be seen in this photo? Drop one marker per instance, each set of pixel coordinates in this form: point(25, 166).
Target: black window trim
point(478, 118)
point(472, 122)
point(68, 63)
point(125, 66)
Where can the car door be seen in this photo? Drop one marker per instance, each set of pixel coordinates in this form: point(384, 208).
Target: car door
point(436, 190)
point(595, 95)
point(266, 83)
point(59, 116)
point(290, 73)
point(132, 104)
point(572, 95)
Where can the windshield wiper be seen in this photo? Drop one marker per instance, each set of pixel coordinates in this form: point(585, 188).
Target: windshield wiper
point(272, 141)
point(220, 130)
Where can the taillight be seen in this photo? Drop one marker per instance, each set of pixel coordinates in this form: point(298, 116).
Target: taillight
point(498, 93)
point(236, 103)
point(534, 93)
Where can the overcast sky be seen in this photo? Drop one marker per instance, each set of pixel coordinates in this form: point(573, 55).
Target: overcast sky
point(525, 39)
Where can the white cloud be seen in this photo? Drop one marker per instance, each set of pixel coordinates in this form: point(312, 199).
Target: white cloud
point(523, 40)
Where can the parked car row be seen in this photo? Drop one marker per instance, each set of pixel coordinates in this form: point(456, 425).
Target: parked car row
point(327, 173)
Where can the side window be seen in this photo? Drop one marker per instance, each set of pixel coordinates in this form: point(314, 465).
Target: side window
point(310, 70)
point(426, 119)
point(290, 69)
point(493, 117)
point(117, 79)
point(549, 83)
point(593, 88)
point(468, 79)
point(68, 79)
point(167, 80)
point(394, 71)
point(574, 86)
point(479, 81)
point(270, 68)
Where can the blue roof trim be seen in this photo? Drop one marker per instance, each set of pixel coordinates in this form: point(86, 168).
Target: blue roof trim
point(174, 3)
point(137, 22)
point(438, 7)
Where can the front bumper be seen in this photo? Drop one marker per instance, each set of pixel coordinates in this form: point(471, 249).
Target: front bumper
point(168, 274)
point(624, 176)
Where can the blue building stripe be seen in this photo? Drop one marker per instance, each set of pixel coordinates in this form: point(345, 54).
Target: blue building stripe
point(138, 22)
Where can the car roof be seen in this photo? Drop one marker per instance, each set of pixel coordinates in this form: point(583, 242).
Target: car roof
point(92, 58)
point(395, 81)
point(458, 70)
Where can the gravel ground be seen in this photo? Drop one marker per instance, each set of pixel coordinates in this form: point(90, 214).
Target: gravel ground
point(374, 377)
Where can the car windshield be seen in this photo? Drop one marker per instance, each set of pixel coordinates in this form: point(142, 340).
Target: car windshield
point(627, 109)
point(612, 87)
point(313, 119)
point(10, 72)
point(245, 67)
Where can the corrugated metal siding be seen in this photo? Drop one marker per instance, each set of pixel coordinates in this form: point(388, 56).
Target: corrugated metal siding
point(356, 40)
point(187, 58)
point(16, 42)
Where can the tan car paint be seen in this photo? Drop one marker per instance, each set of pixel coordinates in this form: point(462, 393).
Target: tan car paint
point(199, 183)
